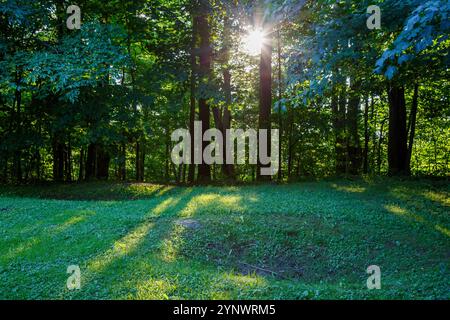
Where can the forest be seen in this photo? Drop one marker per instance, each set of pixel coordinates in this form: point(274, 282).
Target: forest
point(94, 204)
point(101, 102)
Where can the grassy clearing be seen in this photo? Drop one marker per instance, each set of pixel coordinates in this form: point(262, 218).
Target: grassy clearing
point(300, 241)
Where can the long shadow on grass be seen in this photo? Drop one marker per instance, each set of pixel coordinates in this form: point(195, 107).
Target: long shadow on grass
point(105, 231)
point(150, 257)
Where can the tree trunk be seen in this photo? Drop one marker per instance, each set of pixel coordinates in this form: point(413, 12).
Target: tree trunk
point(290, 140)
point(123, 162)
point(265, 97)
point(68, 162)
point(353, 142)
point(280, 119)
point(204, 171)
point(17, 160)
point(398, 145)
point(338, 105)
point(81, 165)
point(91, 162)
point(103, 162)
point(366, 138)
point(222, 116)
point(380, 143)
point(139, 161)
point(142, 162)
point(412, 125)
point(58, 159)
point(192, 166)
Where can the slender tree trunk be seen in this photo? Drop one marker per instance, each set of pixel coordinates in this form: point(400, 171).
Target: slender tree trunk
point(192, 166)
point(412, 125)
point(18, 152)
point(374, 121)
point(339, 103)
point(366, 138)
point(290, 141)
point(280, 118)
point(167, 157)
point(204, 172)
point(69, 162)
point(380, 144)
point(222, 116)
point(138, 161)
point(58, 159)
point(81, 165)
point(123, 162)
point(265, 96)
point(91, 162)
point(353, 145)
point(398, 144)
point(142, 162)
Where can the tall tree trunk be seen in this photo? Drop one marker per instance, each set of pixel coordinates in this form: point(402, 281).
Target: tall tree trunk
point(374, 121)
point(81, 165)
point(380, 143)
point(339, 103)
point(192, 166)
point(137, 160)
point(280, 118)
point(412, 125)
point(17, 161)
point(142, 162)
point(353, 142)
point(123, 161)
point(265, 95)
point(91, 162)
point(167, 163)
point(366, 138)
point(204, 171)
point(290, 140)
point(68, 165)
point(398, 145)
point(103, 162)
point(58, 159)
point(222, 116)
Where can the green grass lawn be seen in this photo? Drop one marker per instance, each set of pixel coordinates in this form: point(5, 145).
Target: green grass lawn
point(311, 240)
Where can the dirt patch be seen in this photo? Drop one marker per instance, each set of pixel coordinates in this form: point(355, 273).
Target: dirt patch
point(189, 224)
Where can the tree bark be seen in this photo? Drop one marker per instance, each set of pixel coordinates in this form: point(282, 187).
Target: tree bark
point(338, 105)
point(91, 162)
point(398, 145)
point(280, 118)
point(123, 162)
point(138, 161)
point(192, 166)
point(103, 162)
point(58, 159)
point(81, 165)
point(265, 96)
point(366, 138)
point(17, 161)
point(353, 142)
point(412, 125)
point(204, 171)
point(380, 143)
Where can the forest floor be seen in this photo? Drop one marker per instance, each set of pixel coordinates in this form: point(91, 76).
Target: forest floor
point(311, 240)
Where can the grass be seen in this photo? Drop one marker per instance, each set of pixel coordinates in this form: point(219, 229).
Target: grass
point(310, 240)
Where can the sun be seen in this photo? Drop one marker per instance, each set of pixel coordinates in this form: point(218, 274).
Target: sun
point(253, 42)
